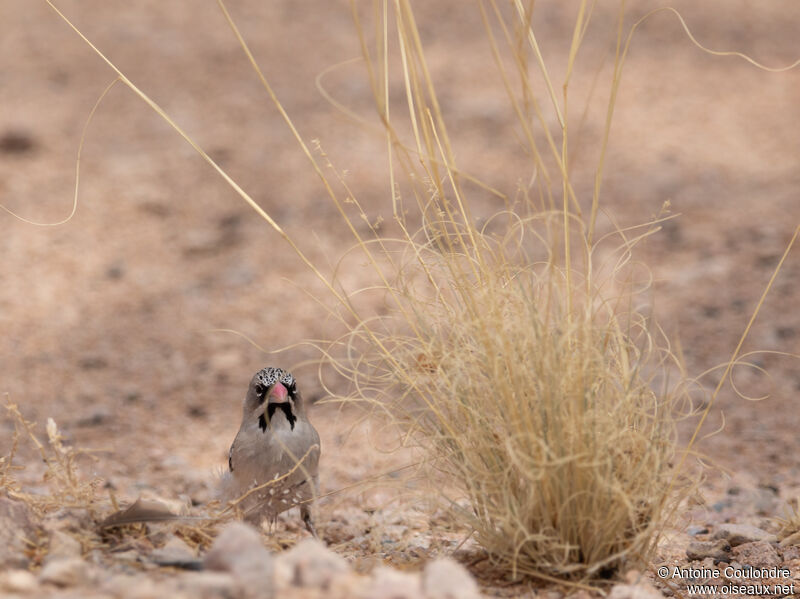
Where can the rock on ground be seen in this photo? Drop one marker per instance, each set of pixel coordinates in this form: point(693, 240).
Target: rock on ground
point(66, 572)
point(718, 550)
point(757, 555)
point(215, 585)
point(239, 552)
point(738, 534)
point(174, 553)
point(18, 581)
point(445, 578)
point(308, 564)
point(634, 591)
point(636, 588)
point(387, 583)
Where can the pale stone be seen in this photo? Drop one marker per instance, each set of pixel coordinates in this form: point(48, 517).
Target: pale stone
point(62, 546)
point(640, 590)
point(66, 572)
point(445, 578)
point(18, 581)
point(738, 534)
point(174, 553)
point(308, 564)
point(238, 551)
point(757, 555)
point(134, 586)
point(210, 585)
point(387, 583)
point(716, 550)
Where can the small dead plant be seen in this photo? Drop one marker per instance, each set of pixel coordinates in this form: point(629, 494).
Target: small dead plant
point(67, 487)
point(95, 518)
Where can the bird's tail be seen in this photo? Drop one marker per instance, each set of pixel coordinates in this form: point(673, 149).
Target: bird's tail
point(226, 485)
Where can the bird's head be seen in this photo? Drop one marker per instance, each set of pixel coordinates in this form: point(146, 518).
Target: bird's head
point(273, 399)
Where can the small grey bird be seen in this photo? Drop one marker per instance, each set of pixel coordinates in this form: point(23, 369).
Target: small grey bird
point(275, 438)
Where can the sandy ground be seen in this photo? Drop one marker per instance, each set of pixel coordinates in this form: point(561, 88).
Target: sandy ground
point(109, 321)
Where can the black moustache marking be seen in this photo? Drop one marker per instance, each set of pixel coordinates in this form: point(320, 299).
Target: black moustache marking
point(287, 411)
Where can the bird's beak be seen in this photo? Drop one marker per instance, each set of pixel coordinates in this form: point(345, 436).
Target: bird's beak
point(278, 399)
point(277, 395)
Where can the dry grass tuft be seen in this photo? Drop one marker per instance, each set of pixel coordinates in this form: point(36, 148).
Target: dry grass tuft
point(544, 420)
point(512, 353)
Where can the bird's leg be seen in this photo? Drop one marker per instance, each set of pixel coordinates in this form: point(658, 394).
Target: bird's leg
point(305, 513)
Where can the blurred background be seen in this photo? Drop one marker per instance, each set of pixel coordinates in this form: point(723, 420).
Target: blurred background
point(107, 322)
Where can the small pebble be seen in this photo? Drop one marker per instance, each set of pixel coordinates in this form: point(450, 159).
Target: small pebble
point(66, 572)
point(757, 555)
point(132, 586)
point(308, 564)
point(738, 534)
point(637, 587)
point(717, 550)
point(211, 585)
point(791, 552)
point(176, 553)
point(16, 142)
point(720, 505)
point(387, 583)
point(18, 581)
point(642, 590)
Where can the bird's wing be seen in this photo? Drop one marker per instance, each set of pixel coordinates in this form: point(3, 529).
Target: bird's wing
point(287, 449)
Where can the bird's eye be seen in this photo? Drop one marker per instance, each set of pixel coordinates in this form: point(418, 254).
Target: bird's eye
point(260, 389)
